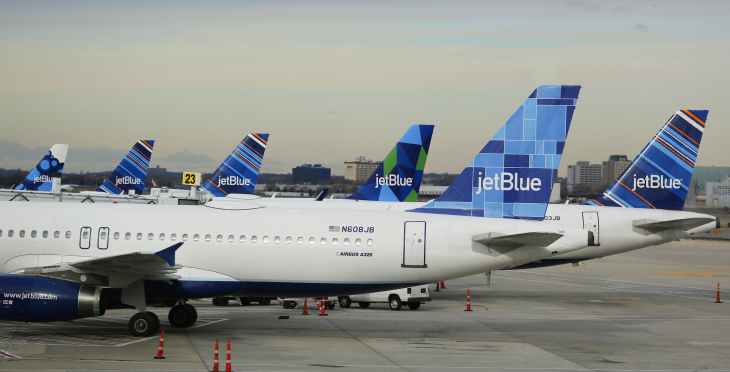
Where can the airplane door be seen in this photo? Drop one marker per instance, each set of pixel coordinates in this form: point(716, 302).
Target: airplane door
point(85, 239)
point(414, 244)
point(590, 223)
point(102, 242)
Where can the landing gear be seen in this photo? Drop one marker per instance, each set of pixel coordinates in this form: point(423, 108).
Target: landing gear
point(220, 301)
point(144, 324)
point(330, 305)
point(265, 301)
point(182, 316)
point(345, 301)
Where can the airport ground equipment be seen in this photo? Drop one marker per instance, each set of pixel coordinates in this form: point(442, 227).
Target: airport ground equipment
point(412, 297)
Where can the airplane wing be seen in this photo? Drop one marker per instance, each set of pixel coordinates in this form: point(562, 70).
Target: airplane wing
point(514, 241)
point(684, 224)
point(115, 271)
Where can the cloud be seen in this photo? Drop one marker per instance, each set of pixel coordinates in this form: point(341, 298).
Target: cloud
point(187, 157)
point(640, 27)
point(17, 151)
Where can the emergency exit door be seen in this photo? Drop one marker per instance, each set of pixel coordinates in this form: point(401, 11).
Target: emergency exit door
point(590, 223)
point(414, 244)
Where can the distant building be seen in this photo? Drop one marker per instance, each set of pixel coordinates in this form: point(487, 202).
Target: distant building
point(360, 169)
point(702, 175)
point(613, 167)
point(309, 173)
point(583, 173)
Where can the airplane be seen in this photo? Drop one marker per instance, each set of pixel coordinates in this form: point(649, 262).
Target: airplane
point(240, 170)
point(40, 178)
point(130, 175)
point(64, 261)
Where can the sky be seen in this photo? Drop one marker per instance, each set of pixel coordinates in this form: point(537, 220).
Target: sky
point(334, 80)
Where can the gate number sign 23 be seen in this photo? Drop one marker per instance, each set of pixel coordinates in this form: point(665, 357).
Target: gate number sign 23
point(191, 179)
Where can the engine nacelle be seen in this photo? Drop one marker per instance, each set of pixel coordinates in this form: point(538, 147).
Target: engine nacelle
point(40, 299)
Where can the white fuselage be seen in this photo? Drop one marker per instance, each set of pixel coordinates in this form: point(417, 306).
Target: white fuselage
point(220, 254)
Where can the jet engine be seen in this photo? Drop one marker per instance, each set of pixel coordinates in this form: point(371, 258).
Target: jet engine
point(41, 299)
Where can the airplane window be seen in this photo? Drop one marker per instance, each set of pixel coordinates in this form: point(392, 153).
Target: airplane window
point(162, 236)
point(346, 241)
point(266, 239)
point(311, 240)
point(207, 237)
point(33, 234)
point(127, 236)
point(116, 236)
point(68, 235)
point(173, 237)
point(56, 234)
point(357, 241)
point(139, 236)
point(185, 237)
point(10, 233)
point(334, 241)
point(323, 241)
point(242, 239)
point(277, 240)
point(288, 240)
point(22, 234)
point(150, 236)
point(103, 235)
point(231, 238)
point(253, 239)
point(370, 242)
point(219, 238)
point(86, 234)
point(300, 240)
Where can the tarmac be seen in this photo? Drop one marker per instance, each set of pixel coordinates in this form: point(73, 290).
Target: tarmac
point(649, 310)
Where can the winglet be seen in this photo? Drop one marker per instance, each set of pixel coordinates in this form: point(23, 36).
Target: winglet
point(40, 178)
point(322, 194)
point(168, 254)
point(131, 173)
point(240, 171)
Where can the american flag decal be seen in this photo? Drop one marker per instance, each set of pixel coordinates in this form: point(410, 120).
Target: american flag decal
point(334, 229)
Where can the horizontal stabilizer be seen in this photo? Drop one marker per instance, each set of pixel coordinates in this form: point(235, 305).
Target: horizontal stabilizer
point(514, 241)
point(684, 224)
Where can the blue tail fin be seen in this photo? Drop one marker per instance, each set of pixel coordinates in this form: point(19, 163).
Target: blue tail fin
point(40, 178)
point(659, 176)
point(239, 172)
point(513, 175)
point(131, 173)
point(398, 177)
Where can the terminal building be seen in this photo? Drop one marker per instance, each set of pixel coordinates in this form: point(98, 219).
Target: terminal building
point(309, 173)
point(360, 169)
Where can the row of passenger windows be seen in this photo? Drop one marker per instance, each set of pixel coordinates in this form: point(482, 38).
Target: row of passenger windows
point(242, 239)
point(34, 234)
point(196, 237)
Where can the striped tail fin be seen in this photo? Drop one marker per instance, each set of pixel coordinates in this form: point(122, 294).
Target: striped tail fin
point(131, 173)
point(513, 175)
point(398, 177)
point(659, 176)
point(40, 178)
point(239, 172)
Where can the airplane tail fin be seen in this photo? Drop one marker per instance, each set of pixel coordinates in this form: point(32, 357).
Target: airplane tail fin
point(659, 176)
point(398, 177)
point(239, 172)
point(40, 178)
point(513, 175)
point(131, 173)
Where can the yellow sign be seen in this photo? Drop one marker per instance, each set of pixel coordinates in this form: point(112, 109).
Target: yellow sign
point(191, 179)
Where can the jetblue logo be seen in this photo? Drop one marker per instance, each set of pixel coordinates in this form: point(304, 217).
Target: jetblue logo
point(509, 181)
point(656, 182)
point(128, 180)
point(43, 178)
point(233, 181)
point(392, 180)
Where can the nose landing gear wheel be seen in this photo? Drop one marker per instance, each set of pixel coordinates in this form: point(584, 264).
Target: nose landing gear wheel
point(182, 316)
point(143, 324)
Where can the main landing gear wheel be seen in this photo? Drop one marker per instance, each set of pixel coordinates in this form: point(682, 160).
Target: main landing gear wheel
point(144, 324)
point(182, 316)
point(394, 303)
point(364, 305)
point(245, 301)
point(330, 305)
point(220, 301)
point(414, 305)
point(265, 301)
point(345, 301)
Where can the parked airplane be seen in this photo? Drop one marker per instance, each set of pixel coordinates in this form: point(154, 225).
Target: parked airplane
point(240, 170)
point(107, 256)
point(130, 175)
point(40, 178)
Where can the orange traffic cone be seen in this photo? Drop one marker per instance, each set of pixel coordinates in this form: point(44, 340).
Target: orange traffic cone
point(437, 287)
point(321, 308)
point(718, 294)
point(305, 312)
point(162, 341)
point(442, 285)
point(468, 300)
point(215, 359)
point(228, 357)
